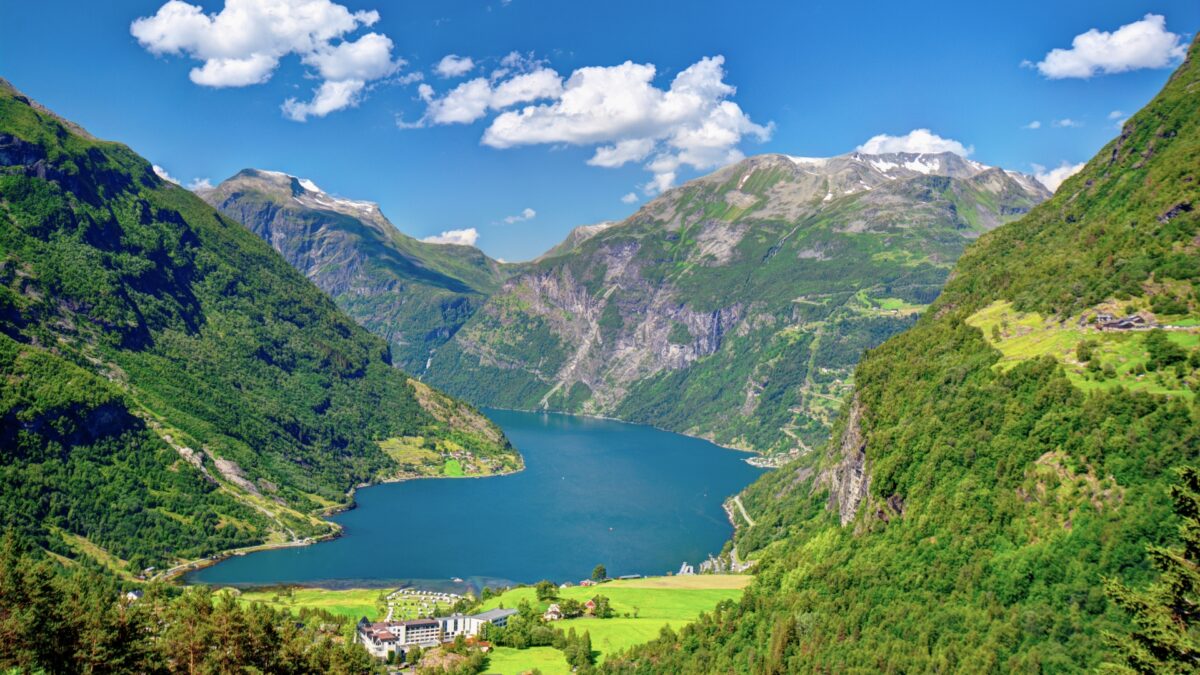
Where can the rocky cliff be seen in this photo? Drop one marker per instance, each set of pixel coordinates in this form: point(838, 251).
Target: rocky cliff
point(735, 306)
point(414, 294)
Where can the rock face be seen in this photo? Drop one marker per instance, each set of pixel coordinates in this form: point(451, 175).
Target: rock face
point(733, 307)
point(849, 478)
point(414, 294)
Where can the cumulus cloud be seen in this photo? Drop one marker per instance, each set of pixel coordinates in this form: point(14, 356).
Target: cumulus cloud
point(630, 198)
point(1141, 44)
point(199, 184)
point(1052, 178)
point(619, 109)
point(616, 109)
point(162, 173)
point(917, 140)
point(466, 237)
point(472, 99)
point(525, 214)
point(453, 65)
point(242, 45)
point(1036, 124)
point(1067, 122)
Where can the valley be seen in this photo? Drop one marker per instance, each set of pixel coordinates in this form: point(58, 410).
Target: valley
point(883, 407)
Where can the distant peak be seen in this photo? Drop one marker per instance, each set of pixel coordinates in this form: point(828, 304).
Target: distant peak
point(306, 192)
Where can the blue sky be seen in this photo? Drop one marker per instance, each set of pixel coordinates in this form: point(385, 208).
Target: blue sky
point(811, 78)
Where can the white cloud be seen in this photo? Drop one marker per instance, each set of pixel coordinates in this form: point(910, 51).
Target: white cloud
point(472, 99)
point(532, 86)
point(453, 65)
point(1036, 124)
point(1137, 45)
point(243, 43)
point(1054, 177)
point(917, 140)
point(367, 58)
point(162, 173)
point(630, 198)
point(1116, 114)
point(466, 237)
point(1067, 122)
point(199, 184)
point(331, 96)
point(525, 214)
point(464, 104)
point(623, 152)
point(692, 123)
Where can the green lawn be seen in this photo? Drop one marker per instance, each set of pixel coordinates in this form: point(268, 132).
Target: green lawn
point(509, 661)
point(453, 468)
point(354, 603)
point(1021, 336)
point(650, 603)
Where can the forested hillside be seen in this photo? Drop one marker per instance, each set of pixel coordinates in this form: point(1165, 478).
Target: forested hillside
point(1001, 459)
point(733, 307)
point(173, 386)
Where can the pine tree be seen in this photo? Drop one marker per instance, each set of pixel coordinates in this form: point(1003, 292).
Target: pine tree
point(1166, 635)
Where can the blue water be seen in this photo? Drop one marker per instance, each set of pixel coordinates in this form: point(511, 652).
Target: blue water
point(634, 498)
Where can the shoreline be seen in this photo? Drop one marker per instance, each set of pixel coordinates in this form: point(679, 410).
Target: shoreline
point(606, 418)
point(184, 568)
point(176, 572)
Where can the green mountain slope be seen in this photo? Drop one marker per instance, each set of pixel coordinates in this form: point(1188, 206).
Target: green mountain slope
point(414, 294)
point(1001, 458)
point(172, 386)
point(733, 307)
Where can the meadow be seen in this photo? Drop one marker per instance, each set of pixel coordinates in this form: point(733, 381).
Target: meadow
point(643, 607)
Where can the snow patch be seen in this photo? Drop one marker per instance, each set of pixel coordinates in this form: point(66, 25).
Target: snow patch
point(921, 166)
point(811, 161)
point(309, 185)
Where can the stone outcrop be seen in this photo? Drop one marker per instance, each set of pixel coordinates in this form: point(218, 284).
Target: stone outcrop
point(849, 478)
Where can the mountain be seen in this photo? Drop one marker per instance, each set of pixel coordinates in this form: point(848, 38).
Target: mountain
point(172, 386)
point(1007, 457)
point(733, 307)
point(414, 294)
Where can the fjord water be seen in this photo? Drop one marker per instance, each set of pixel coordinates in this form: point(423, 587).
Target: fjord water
point(637, 499)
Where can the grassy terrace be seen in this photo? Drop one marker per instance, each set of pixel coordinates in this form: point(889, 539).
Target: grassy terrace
point(651, 604)
point(1121, 357)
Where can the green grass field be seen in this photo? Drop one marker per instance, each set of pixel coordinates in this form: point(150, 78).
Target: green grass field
point(353, 603)
point(453, 468)
point(1022, 336)
point(650, 603)
point(506, 660)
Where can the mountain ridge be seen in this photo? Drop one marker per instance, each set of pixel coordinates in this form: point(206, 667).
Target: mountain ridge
point(612, 321)
point(414, 294)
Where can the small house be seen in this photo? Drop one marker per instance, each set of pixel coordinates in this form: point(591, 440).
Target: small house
point(554, 612)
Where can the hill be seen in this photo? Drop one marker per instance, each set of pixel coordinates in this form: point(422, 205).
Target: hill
point(414, 294)
point(733, 307)
point(172, 386)
point(1001, 459)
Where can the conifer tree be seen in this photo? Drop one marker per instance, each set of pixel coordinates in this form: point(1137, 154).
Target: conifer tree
point(1166, 635)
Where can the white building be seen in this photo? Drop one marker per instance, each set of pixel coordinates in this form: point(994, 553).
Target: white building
point(382, 638)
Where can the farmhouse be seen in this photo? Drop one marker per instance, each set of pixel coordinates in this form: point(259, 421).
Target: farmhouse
point(390, 637)
point(553, 612)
